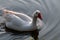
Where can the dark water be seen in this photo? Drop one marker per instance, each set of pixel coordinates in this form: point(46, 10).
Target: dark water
point(50, 11)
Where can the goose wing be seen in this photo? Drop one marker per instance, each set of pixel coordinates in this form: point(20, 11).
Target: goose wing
point(14, 19)
point(14, 22)
point(21, 15)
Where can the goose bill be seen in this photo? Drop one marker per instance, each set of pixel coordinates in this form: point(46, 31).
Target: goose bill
point(40, 16)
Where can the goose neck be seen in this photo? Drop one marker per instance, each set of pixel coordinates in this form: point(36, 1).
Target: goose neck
point(34, 21)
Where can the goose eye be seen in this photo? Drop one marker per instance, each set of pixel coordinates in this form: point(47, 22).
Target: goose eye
point(36, 13)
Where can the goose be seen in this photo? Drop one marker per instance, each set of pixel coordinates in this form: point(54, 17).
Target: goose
point(20, 21)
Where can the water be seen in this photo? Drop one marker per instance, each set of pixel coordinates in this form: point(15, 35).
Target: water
point(50, 11)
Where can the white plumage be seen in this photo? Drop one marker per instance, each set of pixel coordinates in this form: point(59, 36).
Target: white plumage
point(20, 21)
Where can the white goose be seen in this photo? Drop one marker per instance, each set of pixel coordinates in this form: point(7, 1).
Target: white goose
point(20, 21)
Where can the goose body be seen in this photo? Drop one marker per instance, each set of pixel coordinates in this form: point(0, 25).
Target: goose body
point(20, 21)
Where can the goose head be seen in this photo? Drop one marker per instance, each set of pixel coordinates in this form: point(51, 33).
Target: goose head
point(37, 14)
